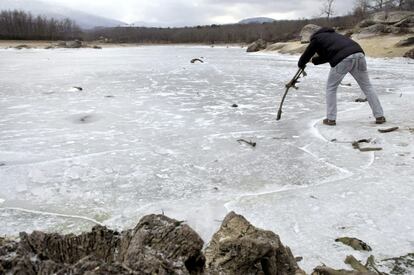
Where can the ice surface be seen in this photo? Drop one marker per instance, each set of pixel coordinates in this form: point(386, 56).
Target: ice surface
point(151, 133)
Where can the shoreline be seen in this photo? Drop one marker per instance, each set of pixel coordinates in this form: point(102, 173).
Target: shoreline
point(42, 44)
point(377, 46)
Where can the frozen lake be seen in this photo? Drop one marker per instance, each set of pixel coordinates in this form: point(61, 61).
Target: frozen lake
point(151, 133)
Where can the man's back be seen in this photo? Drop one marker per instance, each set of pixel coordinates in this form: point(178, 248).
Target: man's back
point(330, 46)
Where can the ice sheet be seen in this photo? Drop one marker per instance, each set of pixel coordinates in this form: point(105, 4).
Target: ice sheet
point(151, 133)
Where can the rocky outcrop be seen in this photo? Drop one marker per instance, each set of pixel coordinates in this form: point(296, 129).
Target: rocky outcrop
point(387, 22)
point(160, 245)
point(157, 245)
point(307, 32)
point(257, 46)
point(391, 18)
point(240, 248)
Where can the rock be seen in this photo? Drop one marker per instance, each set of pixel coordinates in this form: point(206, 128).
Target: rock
point(240, 248)
point(374, 29)
point(101, 243)
point(77, 88)
point(366, 23)
point(287, 48)
point(194, 60)
point(307, 31)
point(234, 105)
point(324, 270)
point(392, 17)
point(354, 242)
point(61, 44)
point(409, 54)
point(157, 245)
point(73, 44)
point(160, 245)
point(393, 30)
point(406, 42)
point(406, 22)
point(348, 33)
point(276, 46)
point(96, 47)
point(257, 46)
point(360, 100)
point(20, 47)
point(355, 264)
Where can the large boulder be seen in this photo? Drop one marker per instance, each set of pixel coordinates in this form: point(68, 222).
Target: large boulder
point(257, 46)
point(410, 54)
point(74, 44)
point(307, 32)
point(240, 248)
point(373, 30)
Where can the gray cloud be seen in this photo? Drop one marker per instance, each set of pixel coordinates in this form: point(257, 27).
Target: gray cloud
point(200, 12)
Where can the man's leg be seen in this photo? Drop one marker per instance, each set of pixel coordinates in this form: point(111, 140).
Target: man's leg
point(334, 80)
point(360, 73)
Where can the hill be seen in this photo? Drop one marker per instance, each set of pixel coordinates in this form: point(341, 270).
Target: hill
point(257, 20)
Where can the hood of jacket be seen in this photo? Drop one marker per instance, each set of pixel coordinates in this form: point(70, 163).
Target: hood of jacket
point(322, 30)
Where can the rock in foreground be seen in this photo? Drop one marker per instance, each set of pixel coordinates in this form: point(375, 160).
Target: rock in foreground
point(240, 248)
point(157, 245)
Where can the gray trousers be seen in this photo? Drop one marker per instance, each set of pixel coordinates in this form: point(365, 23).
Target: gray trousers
point(357, 66)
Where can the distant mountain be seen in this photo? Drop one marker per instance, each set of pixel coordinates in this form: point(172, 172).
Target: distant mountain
point(257, 20)
point(37, 7)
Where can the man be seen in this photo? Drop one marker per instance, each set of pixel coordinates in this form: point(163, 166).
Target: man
point(345, 56)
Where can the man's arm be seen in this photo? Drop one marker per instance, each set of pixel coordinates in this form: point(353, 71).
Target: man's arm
point(318, 60)
point(307, 55)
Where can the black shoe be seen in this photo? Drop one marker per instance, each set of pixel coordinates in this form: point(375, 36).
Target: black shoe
point(380, 120)
point(329, 122)
point(360, 99)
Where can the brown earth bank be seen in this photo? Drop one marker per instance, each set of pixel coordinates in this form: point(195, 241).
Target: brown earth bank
point(161, 245)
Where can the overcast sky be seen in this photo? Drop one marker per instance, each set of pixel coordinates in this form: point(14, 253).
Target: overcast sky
point(195, 12)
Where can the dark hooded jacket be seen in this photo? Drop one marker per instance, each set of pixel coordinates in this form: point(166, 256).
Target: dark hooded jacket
point(330, 46)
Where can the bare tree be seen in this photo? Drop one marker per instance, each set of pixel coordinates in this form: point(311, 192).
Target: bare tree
point(21, 25)
point(327, 8)
point(361, 9)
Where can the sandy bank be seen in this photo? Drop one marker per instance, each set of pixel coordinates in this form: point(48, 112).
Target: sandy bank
point(376, 46)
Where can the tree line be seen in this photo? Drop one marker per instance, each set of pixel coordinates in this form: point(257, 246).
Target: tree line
point(277, 31)
point(24, 26)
